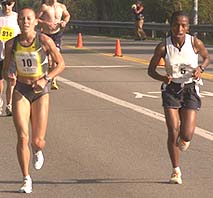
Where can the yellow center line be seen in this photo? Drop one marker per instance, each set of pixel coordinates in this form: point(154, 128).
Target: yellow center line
point(205, 75)
point(129, 58)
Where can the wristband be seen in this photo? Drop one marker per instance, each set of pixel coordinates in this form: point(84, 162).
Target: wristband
point(201, 68)
point(47, 78)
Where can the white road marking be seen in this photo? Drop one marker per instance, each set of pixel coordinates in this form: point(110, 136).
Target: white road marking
point(141, 95)
point(203, 133)
point(206, 93)
point(202, 93)
point(154, 92)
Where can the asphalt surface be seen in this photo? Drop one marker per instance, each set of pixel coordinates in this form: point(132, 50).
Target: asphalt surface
point(106, 135)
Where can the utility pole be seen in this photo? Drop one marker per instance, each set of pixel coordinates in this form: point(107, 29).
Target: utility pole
point(195, 12)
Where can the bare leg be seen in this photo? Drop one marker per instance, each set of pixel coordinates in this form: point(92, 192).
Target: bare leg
point(172, 122)
point(141, 32)
point(9, 91)
point(1, 86)
point(39, 118)
point(21, 117)
point(1, 99)
point(188, 122)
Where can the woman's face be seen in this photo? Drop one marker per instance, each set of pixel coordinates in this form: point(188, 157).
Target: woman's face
point(8, 7)
point(180, 27)
point(27, 20)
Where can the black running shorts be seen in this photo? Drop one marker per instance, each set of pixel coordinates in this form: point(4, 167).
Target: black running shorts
point(177, 95)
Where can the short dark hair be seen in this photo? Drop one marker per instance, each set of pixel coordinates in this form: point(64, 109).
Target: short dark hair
point(26, 8)
point(139, 2)
point(176, 14)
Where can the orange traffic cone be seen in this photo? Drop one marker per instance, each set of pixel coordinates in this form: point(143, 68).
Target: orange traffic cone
point(161, 62)
point(118, 51)
point(79, 41)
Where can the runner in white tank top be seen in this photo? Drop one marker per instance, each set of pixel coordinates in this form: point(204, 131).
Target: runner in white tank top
point(180, 99)
point(178, 63)
point(8, 29)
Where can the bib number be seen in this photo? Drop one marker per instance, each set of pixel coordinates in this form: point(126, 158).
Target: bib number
point(182, 71)
point(27, 63)
point(6, 33)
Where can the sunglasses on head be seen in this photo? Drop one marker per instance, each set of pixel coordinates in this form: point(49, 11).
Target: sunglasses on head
point(7, 3)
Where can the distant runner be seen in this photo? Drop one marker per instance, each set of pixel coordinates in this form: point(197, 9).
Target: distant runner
point(53, 18)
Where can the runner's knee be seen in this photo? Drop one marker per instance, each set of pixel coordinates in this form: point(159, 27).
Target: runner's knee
point(38, 143)
point(186, 137)
point(23, 140)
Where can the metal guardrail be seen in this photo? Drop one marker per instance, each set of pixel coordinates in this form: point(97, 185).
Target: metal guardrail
point(130, 25)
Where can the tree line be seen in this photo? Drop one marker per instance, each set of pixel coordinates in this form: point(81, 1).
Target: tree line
point(120, 10)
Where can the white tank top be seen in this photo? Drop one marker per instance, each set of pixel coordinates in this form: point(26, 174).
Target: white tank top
point(8, 29)
point(180, 63)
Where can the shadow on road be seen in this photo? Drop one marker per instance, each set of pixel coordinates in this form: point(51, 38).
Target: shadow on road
point(91, 181)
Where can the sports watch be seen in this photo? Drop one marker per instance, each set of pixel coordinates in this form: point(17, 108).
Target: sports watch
point(201, 68)
point(47, 78)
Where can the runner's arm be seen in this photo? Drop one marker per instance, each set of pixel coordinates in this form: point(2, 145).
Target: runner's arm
point(158, 54)
point(66, 17)
point(8, 58)
point(50, 48)
point(203, 52)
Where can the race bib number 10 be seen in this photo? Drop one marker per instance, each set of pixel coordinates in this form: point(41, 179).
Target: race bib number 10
point(6, 33)
point(27, 63)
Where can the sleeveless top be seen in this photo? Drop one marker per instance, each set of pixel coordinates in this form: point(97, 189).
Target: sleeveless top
point(8, 29)
point(30, 61)
point(139, 15)
point(180, 63)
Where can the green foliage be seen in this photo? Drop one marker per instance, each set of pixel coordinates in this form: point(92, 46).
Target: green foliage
point(28, 3)
point(205, 12)
point(81, 9)
point(120, 10)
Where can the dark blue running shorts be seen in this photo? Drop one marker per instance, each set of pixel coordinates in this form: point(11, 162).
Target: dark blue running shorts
point(177, 95)
point(56, 38)
point(1, 69)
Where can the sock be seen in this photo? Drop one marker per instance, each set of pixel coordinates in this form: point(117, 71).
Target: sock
point(177, 170)
point(27, 177)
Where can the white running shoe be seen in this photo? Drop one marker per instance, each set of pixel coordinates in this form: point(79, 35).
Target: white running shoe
point(176, 178)
point(183, 145)
point(8, 110)
point(27, 185)
point(38, 160)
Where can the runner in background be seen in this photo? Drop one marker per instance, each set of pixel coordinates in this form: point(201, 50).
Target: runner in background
point(53, 18)
point(139, 20)
point(8, 29)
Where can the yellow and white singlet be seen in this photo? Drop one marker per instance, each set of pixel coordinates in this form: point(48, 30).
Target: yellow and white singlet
point(30, 61)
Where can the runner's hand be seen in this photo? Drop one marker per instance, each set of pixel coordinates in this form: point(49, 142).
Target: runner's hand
point(167, 79)
point(39, 85)
point(197, 73)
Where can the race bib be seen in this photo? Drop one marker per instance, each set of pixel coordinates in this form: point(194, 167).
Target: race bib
point(182, 71)
point(6, 33)
point(27, 63)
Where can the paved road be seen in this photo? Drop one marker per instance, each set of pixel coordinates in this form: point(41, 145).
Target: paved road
point(106, 135)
